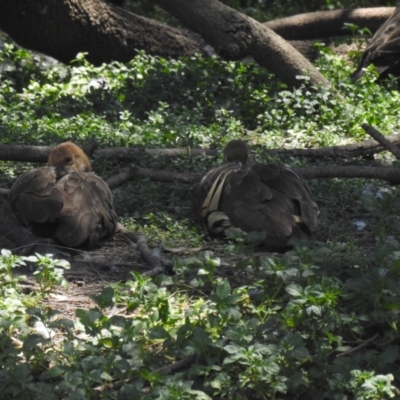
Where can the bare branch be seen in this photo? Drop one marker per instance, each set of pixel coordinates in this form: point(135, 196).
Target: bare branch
point(124, 176)
point(389, 174)
point(384, 173)
point(160, 175)
point(382, 140)
point(41, 153)
point(10, 152)
point(359, 347)
point(329, 23)
point(364, 148)
point(151, 257)
point(176, 366)
point(126, 154)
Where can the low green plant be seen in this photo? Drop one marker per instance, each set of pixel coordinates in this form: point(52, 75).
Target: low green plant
point(47, 273)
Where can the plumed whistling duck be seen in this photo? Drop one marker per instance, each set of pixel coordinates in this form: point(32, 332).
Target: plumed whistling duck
point(242, 196)
point(65, 201)
point(383, 49)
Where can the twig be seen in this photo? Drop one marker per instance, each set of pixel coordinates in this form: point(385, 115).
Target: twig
point(359, 347)
point(381, 139)
point(384, 173)
point(365, 148)
point(124, 176)
point(162, 175)
point(151, 257)
point(329, 23)
point(169, 369)
point(158, 175)
point(129, 154)
point(41, 153)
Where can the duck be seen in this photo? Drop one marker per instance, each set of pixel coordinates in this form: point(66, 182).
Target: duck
point(240, 196)
point(65, 201)
point(383, 49)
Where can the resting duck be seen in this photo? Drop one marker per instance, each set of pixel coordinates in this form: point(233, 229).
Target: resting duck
point(383, 50)
point(65, 201)
point(242, 196)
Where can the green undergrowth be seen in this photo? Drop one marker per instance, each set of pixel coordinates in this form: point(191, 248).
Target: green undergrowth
point(319, 322)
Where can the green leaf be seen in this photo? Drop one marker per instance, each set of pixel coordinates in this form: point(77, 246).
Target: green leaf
point(294, 290)
point(105, 298)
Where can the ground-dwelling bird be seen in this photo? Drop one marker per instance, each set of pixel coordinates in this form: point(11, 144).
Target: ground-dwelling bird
point(240, 196)
point(65, 201)
point(383, 50)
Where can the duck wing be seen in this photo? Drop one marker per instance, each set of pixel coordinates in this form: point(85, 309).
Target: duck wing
point(285, 182)
point(36, 200)
point(384, 48)
point(88, 215)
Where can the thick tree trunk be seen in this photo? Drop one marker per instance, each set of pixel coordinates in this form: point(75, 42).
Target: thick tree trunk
point(62, 28)
point(235, 36)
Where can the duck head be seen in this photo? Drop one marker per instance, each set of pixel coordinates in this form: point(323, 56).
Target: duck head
point(68, 157)
point(237, 151)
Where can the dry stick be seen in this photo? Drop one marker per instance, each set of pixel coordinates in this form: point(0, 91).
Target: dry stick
point(118, 180)
point(364, 148)
point(362, 345)
point(134, 172)
point(162, 175)
point(185, 362)
point(151, 257)
point(389, 174)
point(382, 140)
point(169, 369)
point(41, 153)
point(126, 154)
point(319, 24)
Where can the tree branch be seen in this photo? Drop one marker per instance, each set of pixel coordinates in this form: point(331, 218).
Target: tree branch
point(382, 140)
point(365, 148)
point(359, 347)
point(329, 23)
point(384, 173)
point(41, 153)
point(176, 366)
point(151, 257)
point(235, 36)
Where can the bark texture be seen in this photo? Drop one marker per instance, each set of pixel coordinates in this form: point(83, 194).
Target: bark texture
point(329, 23)
point(62, 28)
point(235, 36)
point(365, 148)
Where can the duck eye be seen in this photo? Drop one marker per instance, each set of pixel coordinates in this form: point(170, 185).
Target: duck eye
point(68, 160)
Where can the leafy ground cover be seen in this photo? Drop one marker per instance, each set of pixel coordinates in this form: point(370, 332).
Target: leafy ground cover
point(319, 322)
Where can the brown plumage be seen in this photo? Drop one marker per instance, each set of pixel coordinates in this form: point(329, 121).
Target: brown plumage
point(65, 201)
point(243, 196)
point(383, 49)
